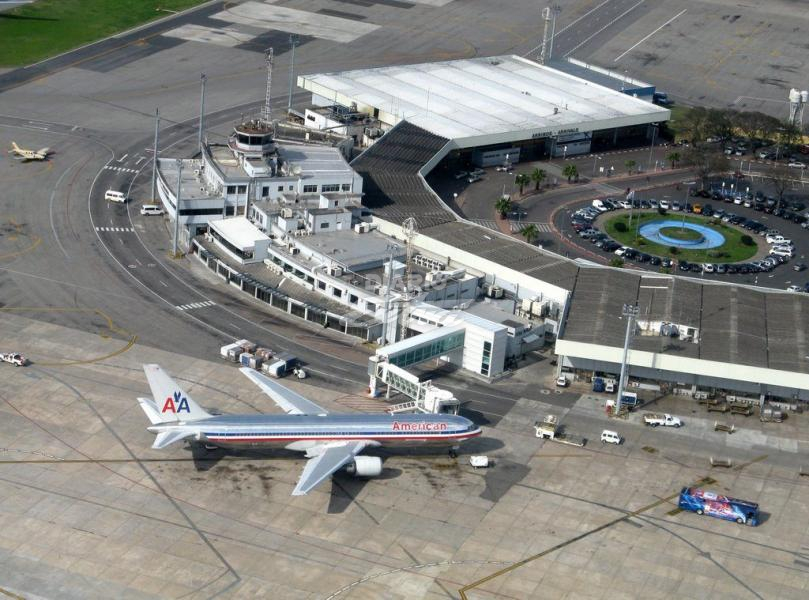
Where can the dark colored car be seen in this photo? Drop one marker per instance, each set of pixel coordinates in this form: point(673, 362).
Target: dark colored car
point(695, 268)
point(732, 269)
point(655, 261)
point(684, 265)
point(721, 269)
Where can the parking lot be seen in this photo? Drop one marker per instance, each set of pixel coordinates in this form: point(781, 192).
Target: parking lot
point(778, 228)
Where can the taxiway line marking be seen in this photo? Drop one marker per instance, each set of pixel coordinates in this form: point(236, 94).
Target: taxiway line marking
point(615, 20)
point(462, 591)
point(620, 56)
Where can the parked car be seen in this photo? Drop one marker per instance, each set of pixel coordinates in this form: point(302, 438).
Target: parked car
point(796, 164)
point(799, 267)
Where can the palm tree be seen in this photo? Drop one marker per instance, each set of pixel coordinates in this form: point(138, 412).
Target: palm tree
point(538, 176)
point(521, 180)
point(673, 158)
point(630, 164)
point(570, 171)
point(530, 233)
point(502, 206)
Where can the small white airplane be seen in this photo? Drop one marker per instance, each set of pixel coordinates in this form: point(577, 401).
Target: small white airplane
point(331, 441)
point(26, 155)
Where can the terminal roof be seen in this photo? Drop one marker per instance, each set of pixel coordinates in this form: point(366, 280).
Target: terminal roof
point(469, 99)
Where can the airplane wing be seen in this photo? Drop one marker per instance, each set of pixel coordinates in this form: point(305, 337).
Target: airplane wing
point(320, 467)
point(291, 402)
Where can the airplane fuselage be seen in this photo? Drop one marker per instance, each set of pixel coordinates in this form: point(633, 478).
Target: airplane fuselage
point(299, 432)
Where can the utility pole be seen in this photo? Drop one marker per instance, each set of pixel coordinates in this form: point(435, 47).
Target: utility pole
point(174, 252)
point(392, 248)
point(154, 157)
point(555, 10)
point(203, 78)
point(293, 40)
point(630, 311)
point(651, 148)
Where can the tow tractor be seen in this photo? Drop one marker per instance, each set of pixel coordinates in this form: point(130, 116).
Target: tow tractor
point(549, 429)
point(14, 358)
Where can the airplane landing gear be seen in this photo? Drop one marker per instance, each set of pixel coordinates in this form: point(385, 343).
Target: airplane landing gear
point(453, 453)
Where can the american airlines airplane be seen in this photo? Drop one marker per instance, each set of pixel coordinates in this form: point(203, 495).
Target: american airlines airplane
point(331, 441)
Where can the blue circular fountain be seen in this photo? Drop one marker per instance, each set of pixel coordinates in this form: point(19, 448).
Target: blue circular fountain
point(709, 238)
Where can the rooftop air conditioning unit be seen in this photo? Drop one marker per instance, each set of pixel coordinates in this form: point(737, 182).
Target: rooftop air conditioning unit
point(337, 271)
point(286, 213)
point(294, 250)
point(494, 291)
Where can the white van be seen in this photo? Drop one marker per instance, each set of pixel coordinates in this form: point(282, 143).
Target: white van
point(114, 196)
point(610, 437)
point(151, 209)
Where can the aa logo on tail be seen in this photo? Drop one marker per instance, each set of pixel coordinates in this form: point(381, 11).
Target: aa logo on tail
point(176, 405)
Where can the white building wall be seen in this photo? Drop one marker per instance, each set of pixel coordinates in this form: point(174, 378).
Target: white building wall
point(772, 378)
point(528, 286)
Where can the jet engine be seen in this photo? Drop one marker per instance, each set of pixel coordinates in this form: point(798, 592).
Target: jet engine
point(365, 466)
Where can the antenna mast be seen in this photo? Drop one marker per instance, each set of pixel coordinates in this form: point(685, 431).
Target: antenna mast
point(266, 111)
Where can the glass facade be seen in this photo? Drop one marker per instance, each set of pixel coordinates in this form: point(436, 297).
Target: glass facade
point(487, 358)
point(431, 350)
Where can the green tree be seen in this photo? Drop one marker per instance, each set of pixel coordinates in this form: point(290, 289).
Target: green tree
point(503, 206)
point(620, 227)
point(538, 176)
point(530, 233)
point(719, 123)
point(630, 165)
point(673, 158)
point(746, 240)
point(694, 125)
point(617, 262)
point(788, 134)
point(570, 171)
point(781, 180)
point(521, 180)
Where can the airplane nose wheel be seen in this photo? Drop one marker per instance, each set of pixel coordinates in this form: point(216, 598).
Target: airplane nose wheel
point(453, 453)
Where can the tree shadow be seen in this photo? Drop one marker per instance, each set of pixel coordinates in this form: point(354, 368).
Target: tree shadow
point(25, 18)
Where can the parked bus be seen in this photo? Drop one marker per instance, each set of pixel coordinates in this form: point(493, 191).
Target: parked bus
point(722, 507)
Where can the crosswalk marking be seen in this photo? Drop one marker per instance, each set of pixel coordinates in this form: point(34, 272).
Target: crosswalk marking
point(120, 169)
point(486, 223)
point(520, 225)
point(194, 305)
point(116, 229)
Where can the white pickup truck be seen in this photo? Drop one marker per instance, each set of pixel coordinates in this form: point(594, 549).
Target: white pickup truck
point(14, 358)
point(655, 419)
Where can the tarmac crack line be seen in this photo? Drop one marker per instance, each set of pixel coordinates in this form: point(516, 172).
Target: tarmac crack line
point(625, 517)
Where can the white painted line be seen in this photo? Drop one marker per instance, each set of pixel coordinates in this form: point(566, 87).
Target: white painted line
point(123, 158)
point(164, 284)
point(568, 26)
point(615, 20)
point(140, 159)
point(219, 36)
point(37, 127)
point(620, 56)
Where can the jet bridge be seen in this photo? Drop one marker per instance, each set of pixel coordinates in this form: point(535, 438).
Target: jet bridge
point(426, 398)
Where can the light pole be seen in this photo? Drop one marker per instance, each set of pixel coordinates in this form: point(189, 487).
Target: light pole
point(595, 160)
point(177, 207)
point(154, 157)
point(564, 152)
point(203, 78)
point(391, 248)
point(630, 311)
point(293, 41)
point(651, 148)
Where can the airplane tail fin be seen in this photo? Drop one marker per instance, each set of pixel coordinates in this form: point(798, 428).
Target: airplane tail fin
point(171, 403)
point(14, 148)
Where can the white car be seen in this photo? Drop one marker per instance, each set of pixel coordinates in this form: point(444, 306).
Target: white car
point(561, 381)
point(676, 206)
point(621, 251)
point(796, 164)
point(610, 437)
point(625, 204)
point(708, 268)
point(794, 288)
point(665, 204)
point(737, 200)
point(14, 358)
point(776, 238)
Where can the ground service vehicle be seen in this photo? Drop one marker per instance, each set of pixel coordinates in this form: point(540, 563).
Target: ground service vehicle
point(610, 437)
point(655, 419)
point(703, 502)
point(14, 358)
point(114, 196)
